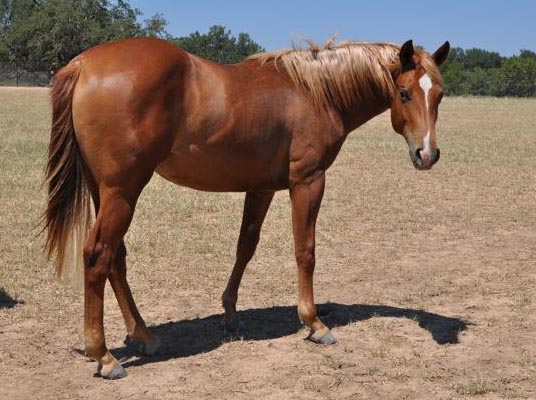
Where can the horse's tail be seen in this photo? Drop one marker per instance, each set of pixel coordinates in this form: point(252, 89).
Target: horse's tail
point(67, 215)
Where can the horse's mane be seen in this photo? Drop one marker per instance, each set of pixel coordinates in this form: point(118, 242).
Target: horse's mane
point(340, 73)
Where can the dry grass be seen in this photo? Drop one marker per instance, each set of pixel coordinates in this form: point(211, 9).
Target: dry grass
point(442, 264)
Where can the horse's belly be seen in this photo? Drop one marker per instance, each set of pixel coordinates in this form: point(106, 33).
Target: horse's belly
point(225, 172)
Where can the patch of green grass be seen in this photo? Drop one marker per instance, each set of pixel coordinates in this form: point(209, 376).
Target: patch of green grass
point(473, 388)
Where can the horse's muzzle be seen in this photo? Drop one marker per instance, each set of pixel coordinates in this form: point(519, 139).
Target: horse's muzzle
point(424, 160)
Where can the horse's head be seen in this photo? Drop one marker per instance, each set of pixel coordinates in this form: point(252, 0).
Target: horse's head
point(416, 100)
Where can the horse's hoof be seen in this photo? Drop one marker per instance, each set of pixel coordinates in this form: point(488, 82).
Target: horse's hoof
point(234, 331)
point(326, 338)
point(150, 349)
point(114, 372)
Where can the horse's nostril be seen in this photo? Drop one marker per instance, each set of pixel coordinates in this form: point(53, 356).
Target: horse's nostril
point(418, 154)
point(438, 153)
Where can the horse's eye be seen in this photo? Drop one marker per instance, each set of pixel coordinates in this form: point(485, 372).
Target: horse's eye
point(404, 95)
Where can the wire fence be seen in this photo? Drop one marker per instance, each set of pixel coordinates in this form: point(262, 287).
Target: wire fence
point(19, 77)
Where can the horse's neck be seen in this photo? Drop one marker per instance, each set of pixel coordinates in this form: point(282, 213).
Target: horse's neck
point(364, 109)
point(361, 113)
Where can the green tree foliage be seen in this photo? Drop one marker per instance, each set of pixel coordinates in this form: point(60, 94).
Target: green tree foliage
point(516, 77)
point(35, 34)
point(527, 54)
point(40, 35)
point(478, 58)
point(43, 34)
point(477, 82)
point(456, 55)
point(455, 78)
point(156, 27)
point(485, 73)
point(219, 45)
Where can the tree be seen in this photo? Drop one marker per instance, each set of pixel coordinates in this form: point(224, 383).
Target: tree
point(481, 72)
point(456, 54)
point(219, 45)
point(5, 12)
point(454, 78)
point(36, 34)
point(14, 37)
point(478, 58)
point(527, 54)
point(479, 82)
point(122, 21)
point(156, 27)
point(517, 77)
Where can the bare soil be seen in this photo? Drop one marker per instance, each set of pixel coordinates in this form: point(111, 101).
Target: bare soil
point(427, 279)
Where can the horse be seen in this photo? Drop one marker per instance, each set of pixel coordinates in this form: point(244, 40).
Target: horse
point(122, 111)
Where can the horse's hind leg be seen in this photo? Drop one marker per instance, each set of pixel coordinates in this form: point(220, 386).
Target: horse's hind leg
point(113, 219)
point(255, 209)
point(136, 328)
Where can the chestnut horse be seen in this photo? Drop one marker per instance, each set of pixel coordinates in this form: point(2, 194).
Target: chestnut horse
point(123, 110)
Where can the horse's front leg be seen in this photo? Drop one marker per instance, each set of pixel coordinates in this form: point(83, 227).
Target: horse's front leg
point(306, 196)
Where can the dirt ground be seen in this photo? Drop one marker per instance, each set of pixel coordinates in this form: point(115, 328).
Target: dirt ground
point(427, 278)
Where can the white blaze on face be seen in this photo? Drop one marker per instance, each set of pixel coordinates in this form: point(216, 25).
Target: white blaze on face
point(426, 84)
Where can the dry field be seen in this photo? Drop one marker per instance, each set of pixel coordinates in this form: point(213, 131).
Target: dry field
point(427, 278)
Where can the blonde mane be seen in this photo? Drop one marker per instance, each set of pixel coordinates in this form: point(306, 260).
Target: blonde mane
point(339, 74)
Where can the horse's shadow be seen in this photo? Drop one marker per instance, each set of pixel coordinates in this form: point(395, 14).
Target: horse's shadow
point(190, 337)
point(6, 301)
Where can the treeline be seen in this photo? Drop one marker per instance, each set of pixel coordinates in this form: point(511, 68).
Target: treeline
point(486, 73)
point(43, 35)
point(39, 36)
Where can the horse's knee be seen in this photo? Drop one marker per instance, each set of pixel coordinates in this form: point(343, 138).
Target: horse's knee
point(98, 261)
point(305, 258)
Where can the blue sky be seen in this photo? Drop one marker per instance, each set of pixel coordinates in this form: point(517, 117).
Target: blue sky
point(502, 26)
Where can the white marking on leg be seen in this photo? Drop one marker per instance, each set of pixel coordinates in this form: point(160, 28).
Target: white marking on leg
point(426, 84)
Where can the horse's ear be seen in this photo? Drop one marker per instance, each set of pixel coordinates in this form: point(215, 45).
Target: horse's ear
point(406, 56)
point(441, 54)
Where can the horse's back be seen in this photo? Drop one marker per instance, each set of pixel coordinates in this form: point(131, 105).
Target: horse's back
point(131, 66)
